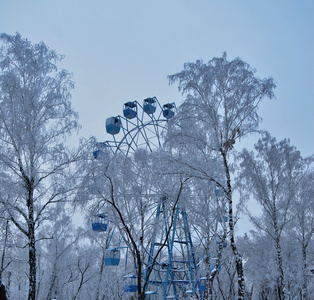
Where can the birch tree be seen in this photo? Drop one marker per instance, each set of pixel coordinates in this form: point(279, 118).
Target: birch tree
point(272, 177)
point(55, 252)
point(222, 99)
point(301, 228)
point(35, 118)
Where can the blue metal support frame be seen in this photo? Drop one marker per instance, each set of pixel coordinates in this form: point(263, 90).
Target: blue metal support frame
point(170, 252)
point(168, 279)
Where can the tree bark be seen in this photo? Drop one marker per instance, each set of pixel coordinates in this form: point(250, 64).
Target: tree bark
point(237, 255)
point(31, 246)
point(100, 273)
point(280, 279)
point(141, 293)
point(304, 285)
point(4, 249)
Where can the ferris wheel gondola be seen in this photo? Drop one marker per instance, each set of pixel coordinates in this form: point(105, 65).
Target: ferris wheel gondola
point(99, 222)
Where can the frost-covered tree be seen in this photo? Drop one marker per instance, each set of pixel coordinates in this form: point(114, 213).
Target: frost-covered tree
point(107, 281)
point(302, 227)
point(208, 229)
point(129, 189)
point(35, 118)
point(222, 99)
point(273, 177)
point(260, 259)
point(53, 255)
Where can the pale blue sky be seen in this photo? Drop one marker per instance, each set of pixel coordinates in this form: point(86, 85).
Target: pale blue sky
point(122, 50)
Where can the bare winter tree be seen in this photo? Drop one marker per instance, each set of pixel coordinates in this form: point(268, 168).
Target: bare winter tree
point(220, 108)
point(35, 118)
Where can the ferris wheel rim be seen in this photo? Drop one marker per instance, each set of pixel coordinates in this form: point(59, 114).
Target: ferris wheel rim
point(129, 142)
point(140, 130)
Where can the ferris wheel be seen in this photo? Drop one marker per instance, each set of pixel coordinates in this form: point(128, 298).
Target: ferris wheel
point(170, 268)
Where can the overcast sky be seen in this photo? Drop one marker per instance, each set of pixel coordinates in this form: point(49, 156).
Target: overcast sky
point(123, 50)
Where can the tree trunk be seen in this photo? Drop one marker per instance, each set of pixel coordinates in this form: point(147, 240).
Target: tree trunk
point(208, 283)
point(304, 266)
point(100, 274)
point(140, 292)
point(4, 249)
point(280, 283)
point(52, 281)
point(31, 248)
point(9, 284)
point(280, 279)
point(237, 255)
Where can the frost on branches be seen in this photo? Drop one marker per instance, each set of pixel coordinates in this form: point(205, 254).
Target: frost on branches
point(222, 99)
point(35, 117)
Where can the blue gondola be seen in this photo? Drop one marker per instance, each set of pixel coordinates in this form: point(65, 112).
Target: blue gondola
point(130, 110)
point(130, 284)
point(168, 110)
point(100, 150)
point(151, 295)
point(225, 244)
point(99, 223)
point(213, 265)
point(96, 153)
point(149, 105)
point(218, 191)
point(112, 257)
point(113, 125)
point(202, 284)
point(223, 219)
